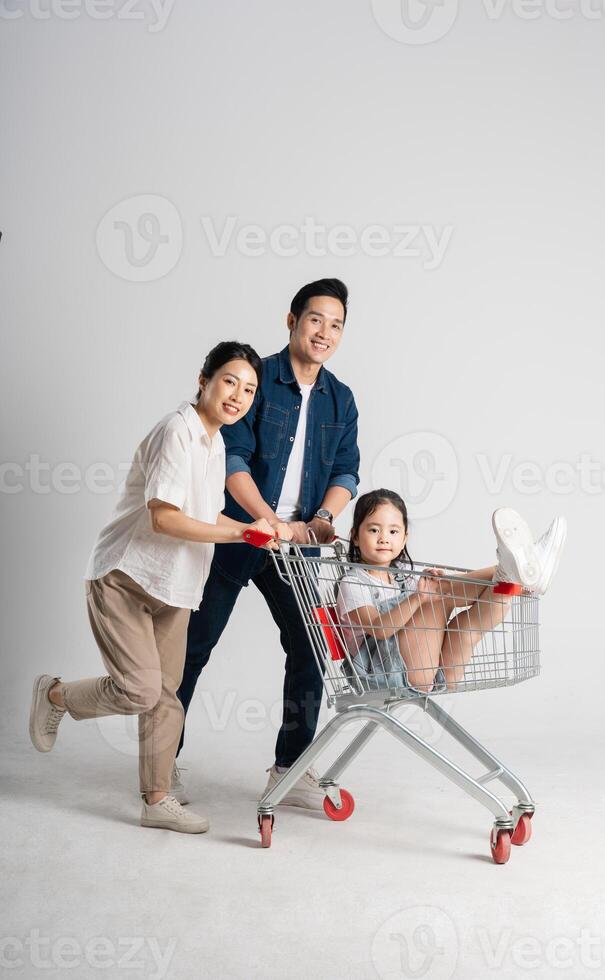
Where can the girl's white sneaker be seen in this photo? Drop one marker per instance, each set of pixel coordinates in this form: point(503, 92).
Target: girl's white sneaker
point(549, 548)
point(518, 558)
point(177, 787)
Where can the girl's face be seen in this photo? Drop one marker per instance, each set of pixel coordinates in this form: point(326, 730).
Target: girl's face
point(382, 535)
point(229, 393)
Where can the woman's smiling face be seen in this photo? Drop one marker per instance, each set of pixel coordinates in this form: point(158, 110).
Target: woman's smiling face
point(382, 535)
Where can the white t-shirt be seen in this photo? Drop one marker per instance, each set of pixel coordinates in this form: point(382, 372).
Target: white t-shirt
point(177, 463)
point(288, 506)
point(359, 588)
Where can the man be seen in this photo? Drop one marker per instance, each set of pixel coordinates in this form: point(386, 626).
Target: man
point(292, 459)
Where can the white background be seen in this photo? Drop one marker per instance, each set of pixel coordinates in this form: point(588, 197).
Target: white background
point(272, 113)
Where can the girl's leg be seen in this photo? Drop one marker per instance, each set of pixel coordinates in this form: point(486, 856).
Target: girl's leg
point(465, 630)
point(421, 641)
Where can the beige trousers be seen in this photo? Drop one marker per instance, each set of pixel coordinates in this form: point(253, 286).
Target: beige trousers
point(143, 643)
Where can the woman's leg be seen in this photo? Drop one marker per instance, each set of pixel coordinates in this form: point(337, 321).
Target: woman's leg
point(160, 727)
point(120, 614)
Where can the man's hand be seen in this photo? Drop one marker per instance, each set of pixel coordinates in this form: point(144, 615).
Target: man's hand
point(299, 532)
point(324, 531)
point(281, 529)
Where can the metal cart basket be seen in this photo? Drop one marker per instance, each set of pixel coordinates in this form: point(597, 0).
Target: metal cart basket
point(425, 634)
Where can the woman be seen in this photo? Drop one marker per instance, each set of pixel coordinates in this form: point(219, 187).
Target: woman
point(148, 570)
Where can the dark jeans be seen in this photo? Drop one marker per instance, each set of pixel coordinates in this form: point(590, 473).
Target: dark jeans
point(303, 685)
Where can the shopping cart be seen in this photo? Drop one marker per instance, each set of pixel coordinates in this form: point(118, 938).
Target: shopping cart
point(365, 682)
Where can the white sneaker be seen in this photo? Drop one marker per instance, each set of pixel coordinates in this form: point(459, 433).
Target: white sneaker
point(518, 559)
point(549, 548)
point(168, 814)
point(306, 791)
point(44, 716)
point(177, 787)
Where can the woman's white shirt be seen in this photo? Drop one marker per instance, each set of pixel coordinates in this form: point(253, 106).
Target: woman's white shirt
point(179, 464)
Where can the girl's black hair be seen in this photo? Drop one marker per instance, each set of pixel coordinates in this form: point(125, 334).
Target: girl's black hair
point(230, 350)
point(366, 505)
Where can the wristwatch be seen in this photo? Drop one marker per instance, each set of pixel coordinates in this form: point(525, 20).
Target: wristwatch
point(324, 514)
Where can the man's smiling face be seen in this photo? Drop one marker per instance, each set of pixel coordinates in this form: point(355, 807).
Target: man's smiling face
point(318, 331)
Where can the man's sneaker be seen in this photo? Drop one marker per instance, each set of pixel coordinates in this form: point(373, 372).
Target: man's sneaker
point(549, 548)
point(168, 814)
point(518, 559)
point(44, 716)
point(177, 787)
point(306, 791)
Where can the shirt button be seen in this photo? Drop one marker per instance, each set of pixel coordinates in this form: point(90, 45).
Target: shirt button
point(296, 407)
point(283, 469)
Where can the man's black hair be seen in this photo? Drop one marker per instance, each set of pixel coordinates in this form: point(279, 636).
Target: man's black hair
point(322, 287)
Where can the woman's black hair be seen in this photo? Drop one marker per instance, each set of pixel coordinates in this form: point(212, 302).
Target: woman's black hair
point(230, 350)
point(366, 505)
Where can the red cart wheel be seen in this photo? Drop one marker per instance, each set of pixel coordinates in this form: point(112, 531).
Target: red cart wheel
point(522, 831)
point(348, 805)
point(500, 845)
point(265, 826)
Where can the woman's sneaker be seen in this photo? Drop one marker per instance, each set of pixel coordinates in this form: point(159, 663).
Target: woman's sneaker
point(44, 716)
point(518, 559)
point(549, 548)
point(306, 791)
point(168, 814)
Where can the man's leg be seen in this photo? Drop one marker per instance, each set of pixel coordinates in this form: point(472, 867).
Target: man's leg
point(303, 682)
point(204, 631)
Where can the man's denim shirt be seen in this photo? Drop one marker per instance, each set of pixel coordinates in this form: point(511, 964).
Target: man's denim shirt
point(261, 442)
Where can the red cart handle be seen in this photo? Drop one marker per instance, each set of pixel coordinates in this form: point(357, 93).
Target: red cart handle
point(257, 538)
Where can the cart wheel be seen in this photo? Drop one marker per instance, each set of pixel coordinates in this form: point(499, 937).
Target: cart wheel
point(348, 805)
point(265, 827)
point(522, 831)
point(500, 844)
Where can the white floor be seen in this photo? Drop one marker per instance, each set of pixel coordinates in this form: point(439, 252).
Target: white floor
point(405, 888)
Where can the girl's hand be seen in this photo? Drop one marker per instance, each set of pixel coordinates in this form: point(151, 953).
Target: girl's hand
point(428, 587)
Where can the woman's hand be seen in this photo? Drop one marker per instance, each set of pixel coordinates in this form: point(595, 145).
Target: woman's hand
point(264, 527)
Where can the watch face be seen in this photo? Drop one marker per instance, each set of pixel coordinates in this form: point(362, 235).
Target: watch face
point(322, 512)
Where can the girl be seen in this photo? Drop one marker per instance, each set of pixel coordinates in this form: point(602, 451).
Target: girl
point(400, 632)
point(148, 570)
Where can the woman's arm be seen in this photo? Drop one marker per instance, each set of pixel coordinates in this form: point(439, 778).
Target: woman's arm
point(166, 519)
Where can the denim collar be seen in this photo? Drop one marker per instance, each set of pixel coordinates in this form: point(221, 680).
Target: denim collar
point(287, 376)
